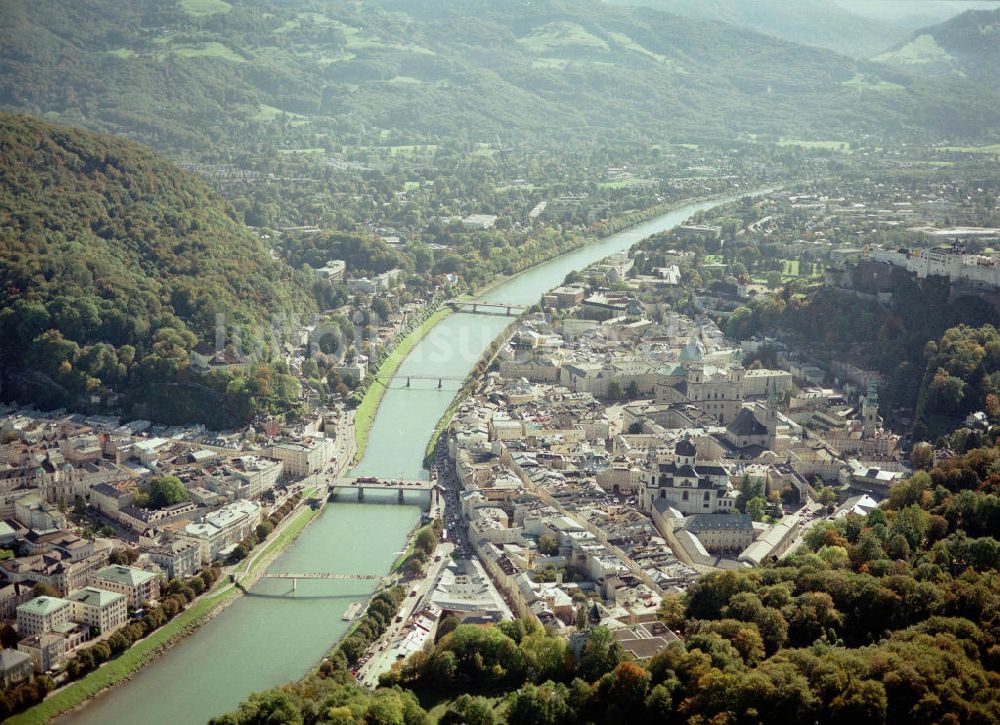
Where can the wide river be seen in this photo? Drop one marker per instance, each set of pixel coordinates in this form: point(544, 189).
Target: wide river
point(272, 636)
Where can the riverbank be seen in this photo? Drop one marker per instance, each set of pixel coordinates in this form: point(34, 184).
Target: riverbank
point(119, 670)
point(224, 661)
point(475, 374)
point(130, 662)
point(600, 231)
point(364, 414)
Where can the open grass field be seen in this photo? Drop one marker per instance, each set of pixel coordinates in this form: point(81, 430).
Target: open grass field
point(269, 113)
point(206, 50)
point(200, 8)
point(561, 35)
point(990, 149)
point(792, 268)
point(862, 82)
point(922, 50)
point(627, 42)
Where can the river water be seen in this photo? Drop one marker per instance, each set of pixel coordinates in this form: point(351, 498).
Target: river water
point(272, 636)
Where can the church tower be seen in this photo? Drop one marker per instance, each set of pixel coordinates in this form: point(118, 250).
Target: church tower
point(771, 414)
point(869, 412)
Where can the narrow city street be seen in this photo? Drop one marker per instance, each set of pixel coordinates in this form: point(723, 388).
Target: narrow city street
point(382, 654)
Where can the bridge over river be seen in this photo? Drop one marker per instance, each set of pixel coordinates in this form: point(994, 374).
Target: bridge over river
point(399, 381)
point(481, 307)
point(238, 651)
point(322, 575)
point(371, 483)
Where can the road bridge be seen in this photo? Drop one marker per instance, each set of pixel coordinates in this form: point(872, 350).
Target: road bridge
point(371, 483)
point(507, 309)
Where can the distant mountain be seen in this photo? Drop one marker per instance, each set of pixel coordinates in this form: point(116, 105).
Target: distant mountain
point(822, 23)
point(201, 75)
point(114, 266)
point(914, 15)
point(965, 47)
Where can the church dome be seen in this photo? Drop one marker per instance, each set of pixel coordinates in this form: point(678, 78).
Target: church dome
point(685, 449)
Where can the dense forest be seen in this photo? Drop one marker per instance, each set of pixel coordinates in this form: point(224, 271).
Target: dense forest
point(186, 74)
point(115, 266)
point(891, 617)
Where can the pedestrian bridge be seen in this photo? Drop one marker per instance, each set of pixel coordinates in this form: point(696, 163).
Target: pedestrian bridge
point(406, 381)
point(320, 575)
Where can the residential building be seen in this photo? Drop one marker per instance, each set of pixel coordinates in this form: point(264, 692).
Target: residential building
point(757, 383)
point(15, 667)
point(36, 513)
point(304, 458)
point(110, 498)
point(221, 530)
point(178, 558)
point(102, 610)
point(54, 568)
point(11, 597)
point(46, 651)
point(138, 585)
point(479, 221)
point(257, 473)
point(685, 231)
point(722, 533)
point(142, 520)
point(334, 270)
point(387, 280)
point(564, 297)
point(42, 614)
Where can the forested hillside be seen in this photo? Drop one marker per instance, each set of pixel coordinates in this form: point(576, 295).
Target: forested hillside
point(891, 617)
point(114, 265)
point(965, 47)
point(186, 73)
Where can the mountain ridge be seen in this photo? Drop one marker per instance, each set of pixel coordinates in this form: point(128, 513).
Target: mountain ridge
point(819, 23)
point(472, 71)
point(964, 47)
